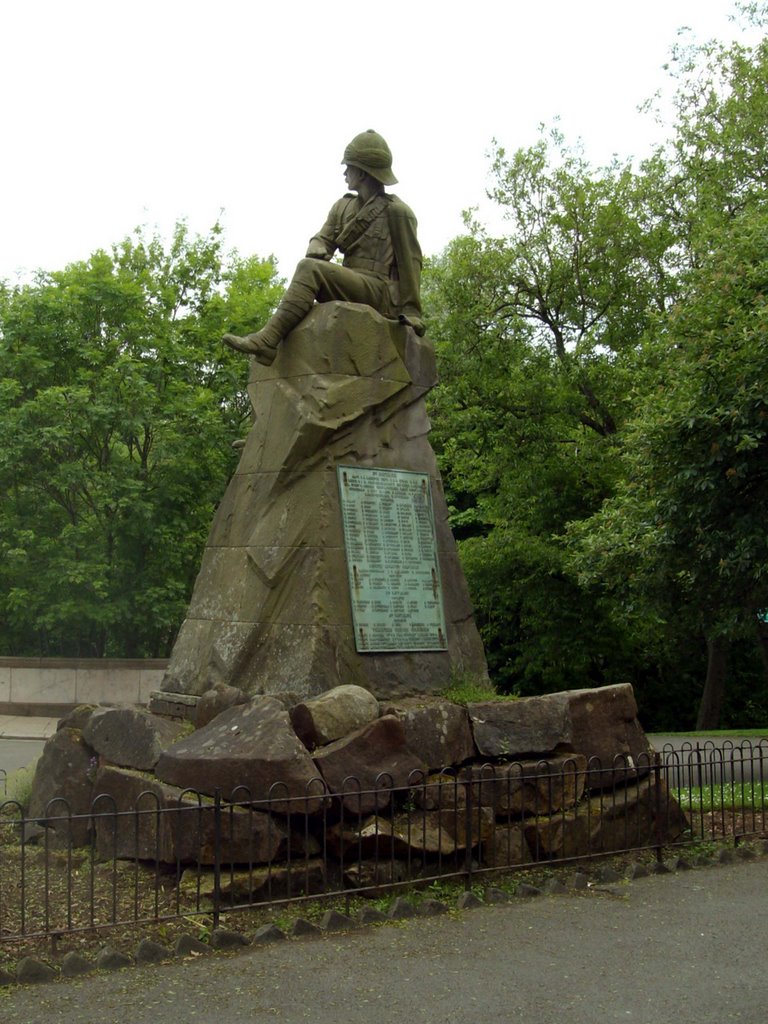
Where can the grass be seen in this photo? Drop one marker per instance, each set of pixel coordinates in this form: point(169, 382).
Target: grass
point(467, 688)
point(720, 734)
point(732, 796)
point(18, 785)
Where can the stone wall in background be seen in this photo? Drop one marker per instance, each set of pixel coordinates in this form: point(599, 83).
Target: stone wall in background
point(50, 686)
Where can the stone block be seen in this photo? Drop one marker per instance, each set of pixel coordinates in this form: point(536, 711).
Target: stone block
point(130, 737)
point(216, 700)
point(181, 706)
point(367, 764)
point(433, 833)
point(78, 717)
point(603, 726)
point(245, 752)
point(150, 952)
point(441, 791)
point(75, 966)
point(370, 915)
point(637, 815)
point(507, 846)
point(435, 729)
point(62, 789)
point(523, 788)
point(376, 876)
point(109, 959)
point(260, 884)
point(30, 971)
point(515, 728)
point(141, 818)
point(333, 714)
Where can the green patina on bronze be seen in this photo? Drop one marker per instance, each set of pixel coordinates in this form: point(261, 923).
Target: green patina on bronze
point(376, 233)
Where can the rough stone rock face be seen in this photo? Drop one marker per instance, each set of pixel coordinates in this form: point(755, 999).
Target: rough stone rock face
point(603, 724)
point(78, 717)
point(130, 737)
point(271, 609)
point(499, 806)
point(600, 826)
point(173, 826)
point(268, 883)
point(63, 785)
point(599, 723)
point(435, 729)
point(529, 787)
point(251, 746)
point(507, 847)
point(333, 714)
point(367, 763)
point(514, 728)
point(436, 832)
point(377, 876)
point(216, 700)
point(443, 791)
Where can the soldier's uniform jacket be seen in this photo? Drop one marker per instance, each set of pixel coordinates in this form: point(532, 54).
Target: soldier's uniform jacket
point(377, 238)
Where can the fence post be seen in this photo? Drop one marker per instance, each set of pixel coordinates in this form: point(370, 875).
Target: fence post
point(469, 784)
point(216, 857)
point(657, 790)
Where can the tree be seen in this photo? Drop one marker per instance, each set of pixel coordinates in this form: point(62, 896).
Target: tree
point(682, 543)
point(118, 407)
point(533, 332)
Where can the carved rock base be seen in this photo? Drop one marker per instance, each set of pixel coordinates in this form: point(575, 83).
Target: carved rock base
point(271, 612)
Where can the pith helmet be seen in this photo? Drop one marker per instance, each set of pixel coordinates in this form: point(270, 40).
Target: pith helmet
point(371, 154)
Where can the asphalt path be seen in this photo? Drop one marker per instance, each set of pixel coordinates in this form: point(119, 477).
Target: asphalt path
point(693, 761)
point(686, 948)
point(15, 753)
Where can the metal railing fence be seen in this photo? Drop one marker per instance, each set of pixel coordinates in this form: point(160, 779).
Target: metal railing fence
point(196, 856)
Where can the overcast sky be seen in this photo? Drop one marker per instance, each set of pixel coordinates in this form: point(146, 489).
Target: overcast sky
point(119, 113)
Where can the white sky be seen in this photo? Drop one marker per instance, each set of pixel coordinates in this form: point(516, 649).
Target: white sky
point(120, 113)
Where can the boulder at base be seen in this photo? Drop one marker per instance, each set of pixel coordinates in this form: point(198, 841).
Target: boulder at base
point(130, 737)
point(368, 763)
point(62, 789)
point(243, 753)
point(176, 827)
point(332, 715)
point(436, 730)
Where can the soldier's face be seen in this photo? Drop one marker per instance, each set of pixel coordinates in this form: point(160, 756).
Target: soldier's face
point(353, 176)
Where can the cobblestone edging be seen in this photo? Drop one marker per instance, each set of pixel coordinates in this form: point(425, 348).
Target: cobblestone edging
point(602, 880)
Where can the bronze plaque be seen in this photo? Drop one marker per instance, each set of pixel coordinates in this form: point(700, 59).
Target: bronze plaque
point(394, 574)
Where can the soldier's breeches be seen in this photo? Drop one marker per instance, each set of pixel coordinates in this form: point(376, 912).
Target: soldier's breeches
point(328, 282)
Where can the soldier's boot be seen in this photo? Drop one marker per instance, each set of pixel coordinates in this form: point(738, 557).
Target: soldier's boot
point(263, 345)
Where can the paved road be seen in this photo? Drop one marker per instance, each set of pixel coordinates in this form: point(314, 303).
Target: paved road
point(687, 948)
point(21, 741)
point(17, 754)
point(699, 762)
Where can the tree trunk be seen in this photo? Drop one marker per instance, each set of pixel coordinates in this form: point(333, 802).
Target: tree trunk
point(762, 642)
point(714, 686)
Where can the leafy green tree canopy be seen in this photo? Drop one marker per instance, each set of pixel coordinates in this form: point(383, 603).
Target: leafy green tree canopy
point(118, 407)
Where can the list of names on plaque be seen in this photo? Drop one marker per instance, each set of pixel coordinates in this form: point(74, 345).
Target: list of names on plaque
point(394, 574)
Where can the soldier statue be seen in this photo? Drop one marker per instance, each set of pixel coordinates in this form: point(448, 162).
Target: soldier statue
point(375, 231)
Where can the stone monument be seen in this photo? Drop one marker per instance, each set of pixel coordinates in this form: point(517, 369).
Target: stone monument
point(331, 560)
